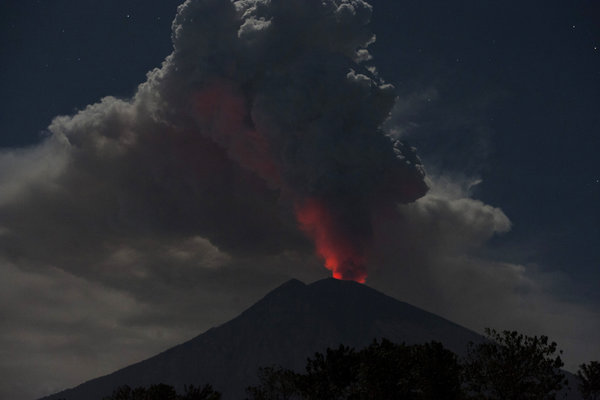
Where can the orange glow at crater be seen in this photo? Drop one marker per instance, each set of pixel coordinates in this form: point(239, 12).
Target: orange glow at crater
point(342, 256)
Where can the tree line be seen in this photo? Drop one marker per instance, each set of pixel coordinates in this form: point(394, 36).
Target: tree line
point(507, 366)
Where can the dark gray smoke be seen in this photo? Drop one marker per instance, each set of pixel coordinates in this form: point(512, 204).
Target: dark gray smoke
point(262, 126)
point(286, 90)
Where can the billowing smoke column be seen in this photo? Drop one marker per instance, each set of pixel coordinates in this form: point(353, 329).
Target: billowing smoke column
point(286, 88)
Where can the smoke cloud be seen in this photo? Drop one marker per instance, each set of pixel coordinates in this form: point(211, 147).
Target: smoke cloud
point(284, 94)
point(264, 111)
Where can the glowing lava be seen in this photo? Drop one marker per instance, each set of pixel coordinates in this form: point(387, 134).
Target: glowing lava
point(342, 255)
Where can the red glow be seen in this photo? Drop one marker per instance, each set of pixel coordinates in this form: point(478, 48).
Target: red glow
point(342, 257)
point(221, 111)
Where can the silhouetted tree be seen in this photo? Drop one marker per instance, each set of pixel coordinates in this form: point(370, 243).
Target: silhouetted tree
point(163, 392)
point(512, 366)
point(589, 376)
point(438, 373)
point(160, 392)
point(276, 383)
point(383, 370)
point(205, 392)
point(332, 375)
point(426, 371)
point(121, 393)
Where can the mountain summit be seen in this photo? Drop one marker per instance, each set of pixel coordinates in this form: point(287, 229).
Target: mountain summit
point(288, 325)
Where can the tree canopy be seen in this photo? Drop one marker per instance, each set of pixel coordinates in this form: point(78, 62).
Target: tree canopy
point(383, 370)
point(506, 366)
point(589, 380)
point(162, 391)
point(513, 366)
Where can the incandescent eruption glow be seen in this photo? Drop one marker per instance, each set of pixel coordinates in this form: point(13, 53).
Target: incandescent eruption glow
point(342, 255)
point(220, 109)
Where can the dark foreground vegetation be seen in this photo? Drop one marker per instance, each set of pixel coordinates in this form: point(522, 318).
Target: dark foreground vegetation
point(164, 392)
point(509, 366)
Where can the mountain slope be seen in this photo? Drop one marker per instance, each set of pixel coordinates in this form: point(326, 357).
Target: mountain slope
point(286, 326)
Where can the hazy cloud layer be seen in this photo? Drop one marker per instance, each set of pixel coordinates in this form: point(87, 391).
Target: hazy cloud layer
point(432, 253)
point(138, 223)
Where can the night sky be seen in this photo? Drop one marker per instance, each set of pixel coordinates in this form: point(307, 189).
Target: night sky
point(110, 249)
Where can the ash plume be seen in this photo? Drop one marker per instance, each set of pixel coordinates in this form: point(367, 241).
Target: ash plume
point(283, 88)
point(262, 128)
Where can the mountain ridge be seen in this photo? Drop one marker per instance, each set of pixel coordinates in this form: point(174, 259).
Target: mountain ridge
point(289, 324)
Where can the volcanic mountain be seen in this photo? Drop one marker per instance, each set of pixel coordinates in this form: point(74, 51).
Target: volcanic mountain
point(288, 325)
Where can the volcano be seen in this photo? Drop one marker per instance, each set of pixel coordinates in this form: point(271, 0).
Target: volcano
point(288, 325)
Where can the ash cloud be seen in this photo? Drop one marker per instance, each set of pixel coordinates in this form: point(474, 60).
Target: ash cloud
point(261, 105)
point(284, 93)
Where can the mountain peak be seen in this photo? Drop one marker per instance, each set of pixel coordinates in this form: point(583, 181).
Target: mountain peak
point(290, 323)
point(291, 285)
point(333, 282)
